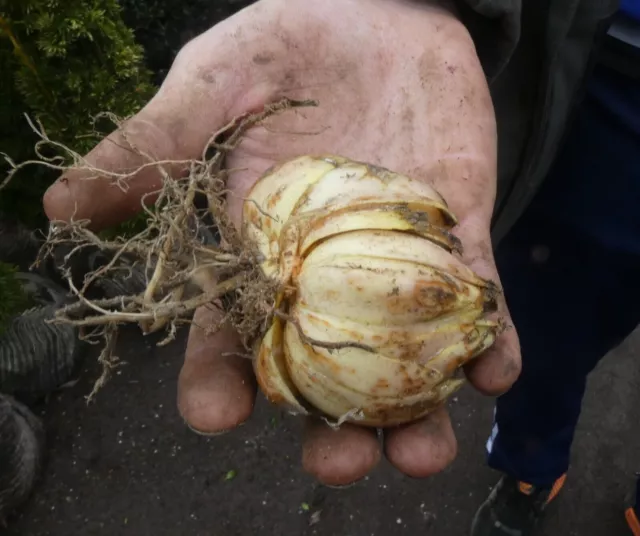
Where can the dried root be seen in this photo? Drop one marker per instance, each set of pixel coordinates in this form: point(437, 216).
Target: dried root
point(187, 257)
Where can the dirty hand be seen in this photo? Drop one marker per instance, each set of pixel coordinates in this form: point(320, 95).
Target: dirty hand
point(399, 85)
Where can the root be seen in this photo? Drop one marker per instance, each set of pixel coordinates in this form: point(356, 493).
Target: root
point(187, 257)
point(330, 346)
point(107, 359)
point(351, 415)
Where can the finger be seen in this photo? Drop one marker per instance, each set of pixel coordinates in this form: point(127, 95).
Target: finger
point(216, 386)
point(422, 448)
point(175, 125)
point(82, 194)
point(495, 370)
point(339, 457)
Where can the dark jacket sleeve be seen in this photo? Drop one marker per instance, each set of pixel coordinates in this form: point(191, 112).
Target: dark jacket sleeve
point(494, 26)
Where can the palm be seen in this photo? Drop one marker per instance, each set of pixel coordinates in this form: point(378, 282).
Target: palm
point(383, 131)
point(386, 107)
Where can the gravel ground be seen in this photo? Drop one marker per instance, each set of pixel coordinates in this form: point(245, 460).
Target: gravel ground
point(127, 465)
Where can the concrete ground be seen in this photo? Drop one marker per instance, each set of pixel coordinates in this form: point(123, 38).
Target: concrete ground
point(126, 465)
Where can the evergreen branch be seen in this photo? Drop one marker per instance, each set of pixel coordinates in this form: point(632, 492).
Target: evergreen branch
point(24, 57)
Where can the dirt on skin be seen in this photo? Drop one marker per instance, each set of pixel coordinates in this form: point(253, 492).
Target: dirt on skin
point(128, 465)
point(162, 27)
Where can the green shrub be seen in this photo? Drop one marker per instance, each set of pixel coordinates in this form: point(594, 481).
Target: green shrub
point(63, 62)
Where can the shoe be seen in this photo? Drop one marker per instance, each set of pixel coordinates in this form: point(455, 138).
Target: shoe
point(632, 513)
point(513, 508)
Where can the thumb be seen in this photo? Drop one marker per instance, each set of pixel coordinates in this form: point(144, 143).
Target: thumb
point(175, 125)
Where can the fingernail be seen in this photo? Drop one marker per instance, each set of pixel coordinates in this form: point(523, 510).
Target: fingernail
point(206, 434)
point(342, 486)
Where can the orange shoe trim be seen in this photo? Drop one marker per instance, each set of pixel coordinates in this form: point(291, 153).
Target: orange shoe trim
point(632, 521)
point(526, 488)
point(557, 486)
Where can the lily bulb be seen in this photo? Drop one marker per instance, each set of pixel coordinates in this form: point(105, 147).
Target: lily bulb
point(376, 313)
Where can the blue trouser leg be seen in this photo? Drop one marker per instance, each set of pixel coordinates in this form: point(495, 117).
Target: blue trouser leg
point(571, 274)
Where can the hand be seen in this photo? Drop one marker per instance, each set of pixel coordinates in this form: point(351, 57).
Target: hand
point(398, 85)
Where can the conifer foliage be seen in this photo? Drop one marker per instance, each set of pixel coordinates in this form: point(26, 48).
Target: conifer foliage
point(63, 62)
